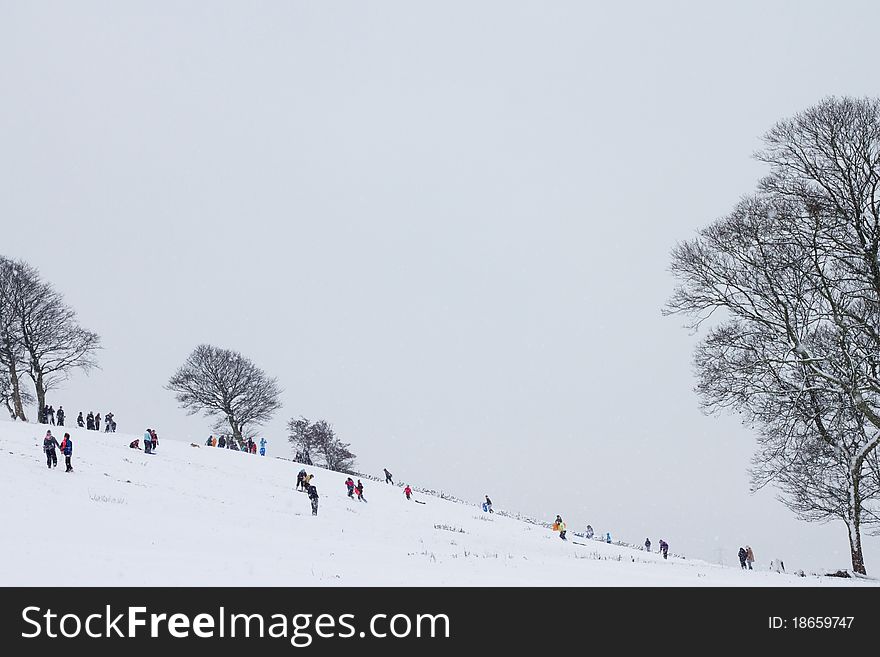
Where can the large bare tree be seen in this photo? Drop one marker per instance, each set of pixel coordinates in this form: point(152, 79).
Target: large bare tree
point(790, 283)
point(40, 333)
point(223, 384)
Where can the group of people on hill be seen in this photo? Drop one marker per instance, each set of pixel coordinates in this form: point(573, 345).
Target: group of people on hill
point(357, 489)
point(151, 442)
point(664, 547)
point(746, 557)
point(92, 421)
point(249, 446)
point(66, 447)
point(48, 415)
point(590, 533)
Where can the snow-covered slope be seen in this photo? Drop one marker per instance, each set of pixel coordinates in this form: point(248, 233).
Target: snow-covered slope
point(203, 516)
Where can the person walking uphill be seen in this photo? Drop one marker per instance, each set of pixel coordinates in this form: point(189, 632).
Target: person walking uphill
point(388, 479)
point(313, 497)
point(750, 556)
point(742, 554)
point(559, 526)
point(67, 450)
point(359, 489)
point(664, 548)
point(49, 445)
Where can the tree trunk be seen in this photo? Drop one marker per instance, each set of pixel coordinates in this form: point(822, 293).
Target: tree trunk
point(41, 395)
point(18, 409)
point(854, 527)
point(236, 429)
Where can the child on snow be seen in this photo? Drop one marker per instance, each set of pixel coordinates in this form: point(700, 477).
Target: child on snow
point(49, 445)
point(313, 496)
point(349, 485)
point(67, 450)
point(359, 489)
point(408, 492)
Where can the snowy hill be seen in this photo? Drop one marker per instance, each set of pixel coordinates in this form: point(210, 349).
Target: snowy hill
point(203, 516)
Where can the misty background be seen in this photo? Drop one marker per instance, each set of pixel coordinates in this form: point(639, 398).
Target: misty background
point(445, 227)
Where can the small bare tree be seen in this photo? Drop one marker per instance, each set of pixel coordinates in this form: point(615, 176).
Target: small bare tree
point(319, 440)
point(223, 384)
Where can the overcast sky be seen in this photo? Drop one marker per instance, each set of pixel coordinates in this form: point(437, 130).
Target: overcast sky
point(445, 227)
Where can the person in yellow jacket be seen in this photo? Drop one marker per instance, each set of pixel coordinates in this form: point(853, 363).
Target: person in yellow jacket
point(559, 526)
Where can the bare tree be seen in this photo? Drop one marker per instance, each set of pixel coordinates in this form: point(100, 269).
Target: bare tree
point(46, 334)
point(319, 440)
point(303, 439)
point(793, 279)
point(224, 384)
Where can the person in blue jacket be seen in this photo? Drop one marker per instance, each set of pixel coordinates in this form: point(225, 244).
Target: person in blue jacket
point(262, 447)
point(607, 537)
point(67, 450)
point(148, 442)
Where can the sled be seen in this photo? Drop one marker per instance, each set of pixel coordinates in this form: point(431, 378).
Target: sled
point(418, 501)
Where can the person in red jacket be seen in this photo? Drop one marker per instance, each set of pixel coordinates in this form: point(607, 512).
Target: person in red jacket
point(407, 491)
point(67, 449)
